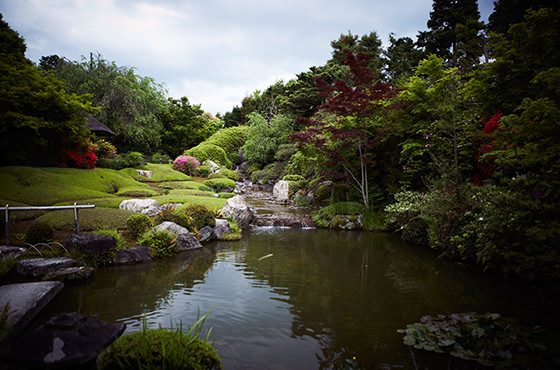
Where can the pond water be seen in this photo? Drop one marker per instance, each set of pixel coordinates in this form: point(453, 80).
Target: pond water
point(300, 299)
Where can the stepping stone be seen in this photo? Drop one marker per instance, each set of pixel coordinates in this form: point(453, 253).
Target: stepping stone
point(38, 267)
point(10, 252)
point(25, 301)
point(70, 274)
point(69, 341)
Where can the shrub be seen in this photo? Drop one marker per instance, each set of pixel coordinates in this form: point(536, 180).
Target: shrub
point(230, 174)
point(201, 216)
point(160, 158)
point(162, 242)
point(104, 149)
point(219, 184)
point(323, 216)
point(77, 155)
point(203, 171)
point(235, 231)
point(271, 171)
point(161, 349)
point(230, 139)
point(169, 213)
point(132, 159)
point(39, 232)
point(226, 195)
point(138, 224)
point(293, 178)
point(208, 151)
point(186, 164)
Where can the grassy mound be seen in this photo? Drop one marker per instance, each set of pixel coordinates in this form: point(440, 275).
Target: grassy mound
point(51, 185)
point(90, 219)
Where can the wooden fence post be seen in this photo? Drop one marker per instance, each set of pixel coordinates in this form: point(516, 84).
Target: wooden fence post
point(8, 226)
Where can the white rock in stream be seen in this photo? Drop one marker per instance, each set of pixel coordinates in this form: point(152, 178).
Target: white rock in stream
point(238, 209)
point(281, 190)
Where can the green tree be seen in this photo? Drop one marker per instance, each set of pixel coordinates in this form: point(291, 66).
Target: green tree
point(369, 45)
point(184, 126)
point(129, 104)
point(265, 136)
point(508, 12)
point(402, 56)
point(454, 33)
point(37, 117)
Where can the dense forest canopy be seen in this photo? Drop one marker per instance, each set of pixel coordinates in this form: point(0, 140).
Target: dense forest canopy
point(453, 137)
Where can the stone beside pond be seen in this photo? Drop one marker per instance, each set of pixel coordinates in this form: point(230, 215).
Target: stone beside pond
point(25, 301)
point(69, 340)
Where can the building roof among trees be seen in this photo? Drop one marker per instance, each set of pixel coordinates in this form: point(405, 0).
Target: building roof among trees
point(98, 128)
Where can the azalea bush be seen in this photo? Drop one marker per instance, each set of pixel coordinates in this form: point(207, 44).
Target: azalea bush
point(77, 155)
point(186, 164)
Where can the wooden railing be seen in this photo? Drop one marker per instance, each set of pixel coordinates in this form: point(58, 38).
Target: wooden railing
point(75, 207)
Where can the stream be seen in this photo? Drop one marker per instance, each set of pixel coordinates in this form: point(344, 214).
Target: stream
point(290, 298)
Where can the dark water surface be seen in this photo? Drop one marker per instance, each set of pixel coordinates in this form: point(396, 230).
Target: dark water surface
point(320, 300)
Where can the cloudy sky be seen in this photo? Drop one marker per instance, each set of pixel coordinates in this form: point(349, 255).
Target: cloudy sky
point(215, 52)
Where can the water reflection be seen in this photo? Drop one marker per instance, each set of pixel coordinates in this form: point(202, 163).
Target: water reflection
point(318, 299)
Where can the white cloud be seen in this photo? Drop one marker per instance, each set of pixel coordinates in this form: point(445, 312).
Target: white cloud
point(215, 52)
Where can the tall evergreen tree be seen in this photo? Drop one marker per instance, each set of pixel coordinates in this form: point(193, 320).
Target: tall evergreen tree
point(454, 33)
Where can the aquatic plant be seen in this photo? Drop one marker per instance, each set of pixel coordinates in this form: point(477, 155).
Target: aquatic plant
point(162, 349)
point(489, 339)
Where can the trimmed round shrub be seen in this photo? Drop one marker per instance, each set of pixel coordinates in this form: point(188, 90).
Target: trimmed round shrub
point(206, 150)
point(203, 171)
point(200, 216)
point(39, 232)
point(230, 174)
point(219, 184)
point(176, 216)
point(323, 217)
point(186, 164)
point(138, 224)
point(230, 139)
point(159, 349)
point(160, 158)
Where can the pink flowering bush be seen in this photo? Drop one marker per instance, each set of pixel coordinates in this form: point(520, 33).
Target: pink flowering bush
point(186, 164)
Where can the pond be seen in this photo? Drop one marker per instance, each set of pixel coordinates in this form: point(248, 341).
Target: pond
point(300, 299)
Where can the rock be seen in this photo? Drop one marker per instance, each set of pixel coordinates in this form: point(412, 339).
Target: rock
point(10, 252)
point(25, 301)
point(221, 228)
point(133, 255)
point(294, 221)
point(172, 227)
point(68, 340)
point(70, 274)
point(239, 211)
point(38, 267)
point(206, 234)
point(149, 207)
point(187, 242)
point(346, 222)
point(281, 190)
point(145, 173)
point(95, 245)
point(213, 167)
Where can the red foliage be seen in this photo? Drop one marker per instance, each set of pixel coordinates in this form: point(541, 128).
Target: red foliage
point(77, 155)
point(487, 167)
point(361, 98)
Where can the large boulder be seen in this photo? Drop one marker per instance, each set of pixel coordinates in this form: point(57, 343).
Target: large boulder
point(39, 267)
point(281, 190)
point(239, 211)
point(149, 207)
point(25, 301)
point(69, 340)
point(133, 255)
point(95, 245)
point(172, 227)
point(145, 173)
